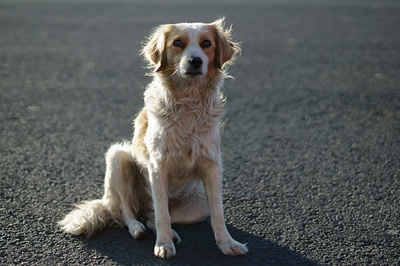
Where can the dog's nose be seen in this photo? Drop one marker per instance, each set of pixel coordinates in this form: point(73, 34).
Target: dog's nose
point(196, 62)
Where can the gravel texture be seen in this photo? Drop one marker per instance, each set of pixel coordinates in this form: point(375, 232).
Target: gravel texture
point(311, 146)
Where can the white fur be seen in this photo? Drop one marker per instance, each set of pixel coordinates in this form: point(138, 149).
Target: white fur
point(172, 170)
point(193, 49)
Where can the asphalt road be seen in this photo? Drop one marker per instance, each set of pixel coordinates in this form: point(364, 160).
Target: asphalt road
point(311, 145)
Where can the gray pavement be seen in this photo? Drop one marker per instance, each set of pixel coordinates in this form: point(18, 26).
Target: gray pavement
point(311, 145)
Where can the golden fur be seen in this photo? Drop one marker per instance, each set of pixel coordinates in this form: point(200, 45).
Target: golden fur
point(172, 170)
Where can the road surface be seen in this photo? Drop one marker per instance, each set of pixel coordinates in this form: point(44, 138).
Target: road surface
point(310, 147)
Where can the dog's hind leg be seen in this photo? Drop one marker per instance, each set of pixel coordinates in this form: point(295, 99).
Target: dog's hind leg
point(190, 210)
point(136, 228)
point(125, 183)
point(151, 225)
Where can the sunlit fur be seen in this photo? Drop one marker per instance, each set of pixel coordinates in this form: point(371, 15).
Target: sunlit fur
point(172, 170)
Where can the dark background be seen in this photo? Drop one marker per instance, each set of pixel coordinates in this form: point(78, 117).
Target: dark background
point(311, 145)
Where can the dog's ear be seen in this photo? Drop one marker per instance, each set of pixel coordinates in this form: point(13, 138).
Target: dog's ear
point(226, 48)
point(154, 49)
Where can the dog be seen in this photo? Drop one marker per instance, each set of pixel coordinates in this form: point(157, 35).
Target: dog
point(172, 171)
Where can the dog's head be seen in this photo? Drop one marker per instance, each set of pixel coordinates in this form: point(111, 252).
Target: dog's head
point(190, 50)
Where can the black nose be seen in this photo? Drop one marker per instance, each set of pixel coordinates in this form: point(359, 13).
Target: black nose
point(196, 62)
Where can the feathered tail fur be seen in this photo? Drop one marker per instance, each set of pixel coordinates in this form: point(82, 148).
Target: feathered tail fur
point(90, 217)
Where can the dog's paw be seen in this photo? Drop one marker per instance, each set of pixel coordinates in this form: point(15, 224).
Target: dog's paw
point(137, 230)
point(164, 251)
point(233, 248)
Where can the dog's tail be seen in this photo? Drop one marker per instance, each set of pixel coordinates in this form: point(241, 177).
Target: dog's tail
point(88, 218)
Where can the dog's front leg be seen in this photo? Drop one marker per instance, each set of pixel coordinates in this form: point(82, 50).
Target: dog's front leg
point(212, 181)
point(164, 247)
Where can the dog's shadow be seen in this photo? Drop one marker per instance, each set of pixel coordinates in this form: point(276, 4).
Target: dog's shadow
point(197, 248)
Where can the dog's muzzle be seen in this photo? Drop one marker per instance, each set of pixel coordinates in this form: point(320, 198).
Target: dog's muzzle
point(195, 64)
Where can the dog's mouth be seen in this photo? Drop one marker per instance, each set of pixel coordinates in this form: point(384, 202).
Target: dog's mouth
point(193, 73)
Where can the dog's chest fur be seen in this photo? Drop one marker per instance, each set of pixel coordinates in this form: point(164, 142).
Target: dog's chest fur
point(183, 131)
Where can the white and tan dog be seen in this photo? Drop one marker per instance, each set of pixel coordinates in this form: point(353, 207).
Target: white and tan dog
point(172, 171)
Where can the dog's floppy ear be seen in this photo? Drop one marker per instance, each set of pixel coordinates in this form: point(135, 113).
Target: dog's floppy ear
point(226, 48)
point(154, 49)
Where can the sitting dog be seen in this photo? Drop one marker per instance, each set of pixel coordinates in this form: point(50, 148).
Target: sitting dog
point(172, 170)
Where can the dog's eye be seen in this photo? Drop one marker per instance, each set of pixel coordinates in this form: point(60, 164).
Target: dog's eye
point(205, 44)
point(178, 43)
